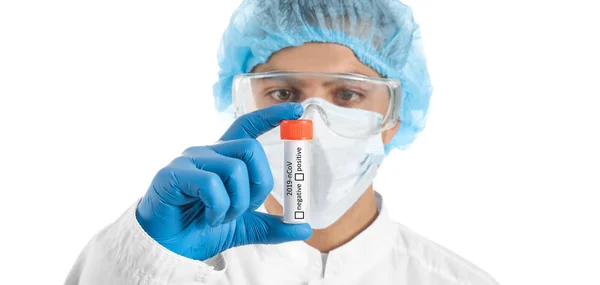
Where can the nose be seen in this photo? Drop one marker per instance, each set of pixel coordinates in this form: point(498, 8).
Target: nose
point(314, 90)
point(313, 107)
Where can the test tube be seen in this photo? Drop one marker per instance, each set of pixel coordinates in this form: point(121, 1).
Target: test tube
point(296, 136)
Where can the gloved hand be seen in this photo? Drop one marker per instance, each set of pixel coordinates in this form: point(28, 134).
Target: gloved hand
point(204, 201)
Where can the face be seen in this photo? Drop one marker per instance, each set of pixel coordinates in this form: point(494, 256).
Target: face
point(321, 58)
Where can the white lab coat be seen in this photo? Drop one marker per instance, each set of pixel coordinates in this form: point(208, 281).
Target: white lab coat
point(385, 253)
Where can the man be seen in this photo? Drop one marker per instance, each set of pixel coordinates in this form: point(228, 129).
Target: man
point(212, 216)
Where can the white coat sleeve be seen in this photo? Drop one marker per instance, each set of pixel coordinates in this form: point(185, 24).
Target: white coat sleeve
point(123, 253)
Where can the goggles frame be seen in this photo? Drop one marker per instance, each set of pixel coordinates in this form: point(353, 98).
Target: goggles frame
point(394, 88)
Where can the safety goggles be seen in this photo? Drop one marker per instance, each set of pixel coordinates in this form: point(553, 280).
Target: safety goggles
point(380, 96)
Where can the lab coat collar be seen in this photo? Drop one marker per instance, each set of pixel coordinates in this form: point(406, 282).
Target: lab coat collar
point(365, 249)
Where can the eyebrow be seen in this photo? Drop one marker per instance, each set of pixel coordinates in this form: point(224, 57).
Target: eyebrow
point(299, 83)
point(352, 71)
point(286, 80)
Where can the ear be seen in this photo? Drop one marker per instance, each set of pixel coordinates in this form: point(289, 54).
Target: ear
point(388, 134)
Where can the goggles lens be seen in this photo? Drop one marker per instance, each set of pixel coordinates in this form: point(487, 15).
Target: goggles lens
point(260, 90)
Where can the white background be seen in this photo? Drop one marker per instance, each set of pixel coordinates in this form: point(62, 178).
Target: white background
point(98, 96)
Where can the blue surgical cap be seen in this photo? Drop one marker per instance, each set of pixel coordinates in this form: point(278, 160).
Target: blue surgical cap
point(381, 33)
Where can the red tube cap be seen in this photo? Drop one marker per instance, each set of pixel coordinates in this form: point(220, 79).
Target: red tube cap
point(296, 130)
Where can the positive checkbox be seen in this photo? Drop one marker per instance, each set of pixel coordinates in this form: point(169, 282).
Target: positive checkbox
point(299, 215)
point(299, 176)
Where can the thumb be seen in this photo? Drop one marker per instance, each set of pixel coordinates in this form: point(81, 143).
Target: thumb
point(261, 228)
point(254, 124)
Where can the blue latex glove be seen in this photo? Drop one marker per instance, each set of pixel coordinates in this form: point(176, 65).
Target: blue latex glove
point(204, 202)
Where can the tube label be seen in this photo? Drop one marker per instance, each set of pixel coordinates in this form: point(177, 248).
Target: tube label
point(297, 178)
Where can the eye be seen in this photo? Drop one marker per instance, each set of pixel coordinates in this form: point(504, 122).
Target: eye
point(347, 96)
point(282, 95)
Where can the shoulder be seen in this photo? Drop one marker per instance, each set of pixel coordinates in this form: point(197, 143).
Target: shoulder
point(433, 259)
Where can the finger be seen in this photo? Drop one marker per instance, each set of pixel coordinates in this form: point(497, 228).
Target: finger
point(254, 124)
point(258, 170)
point(234, 174)
point(204, 185)
point(261, 228)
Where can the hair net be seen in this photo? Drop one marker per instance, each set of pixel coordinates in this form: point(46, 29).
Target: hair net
point(382, 34)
